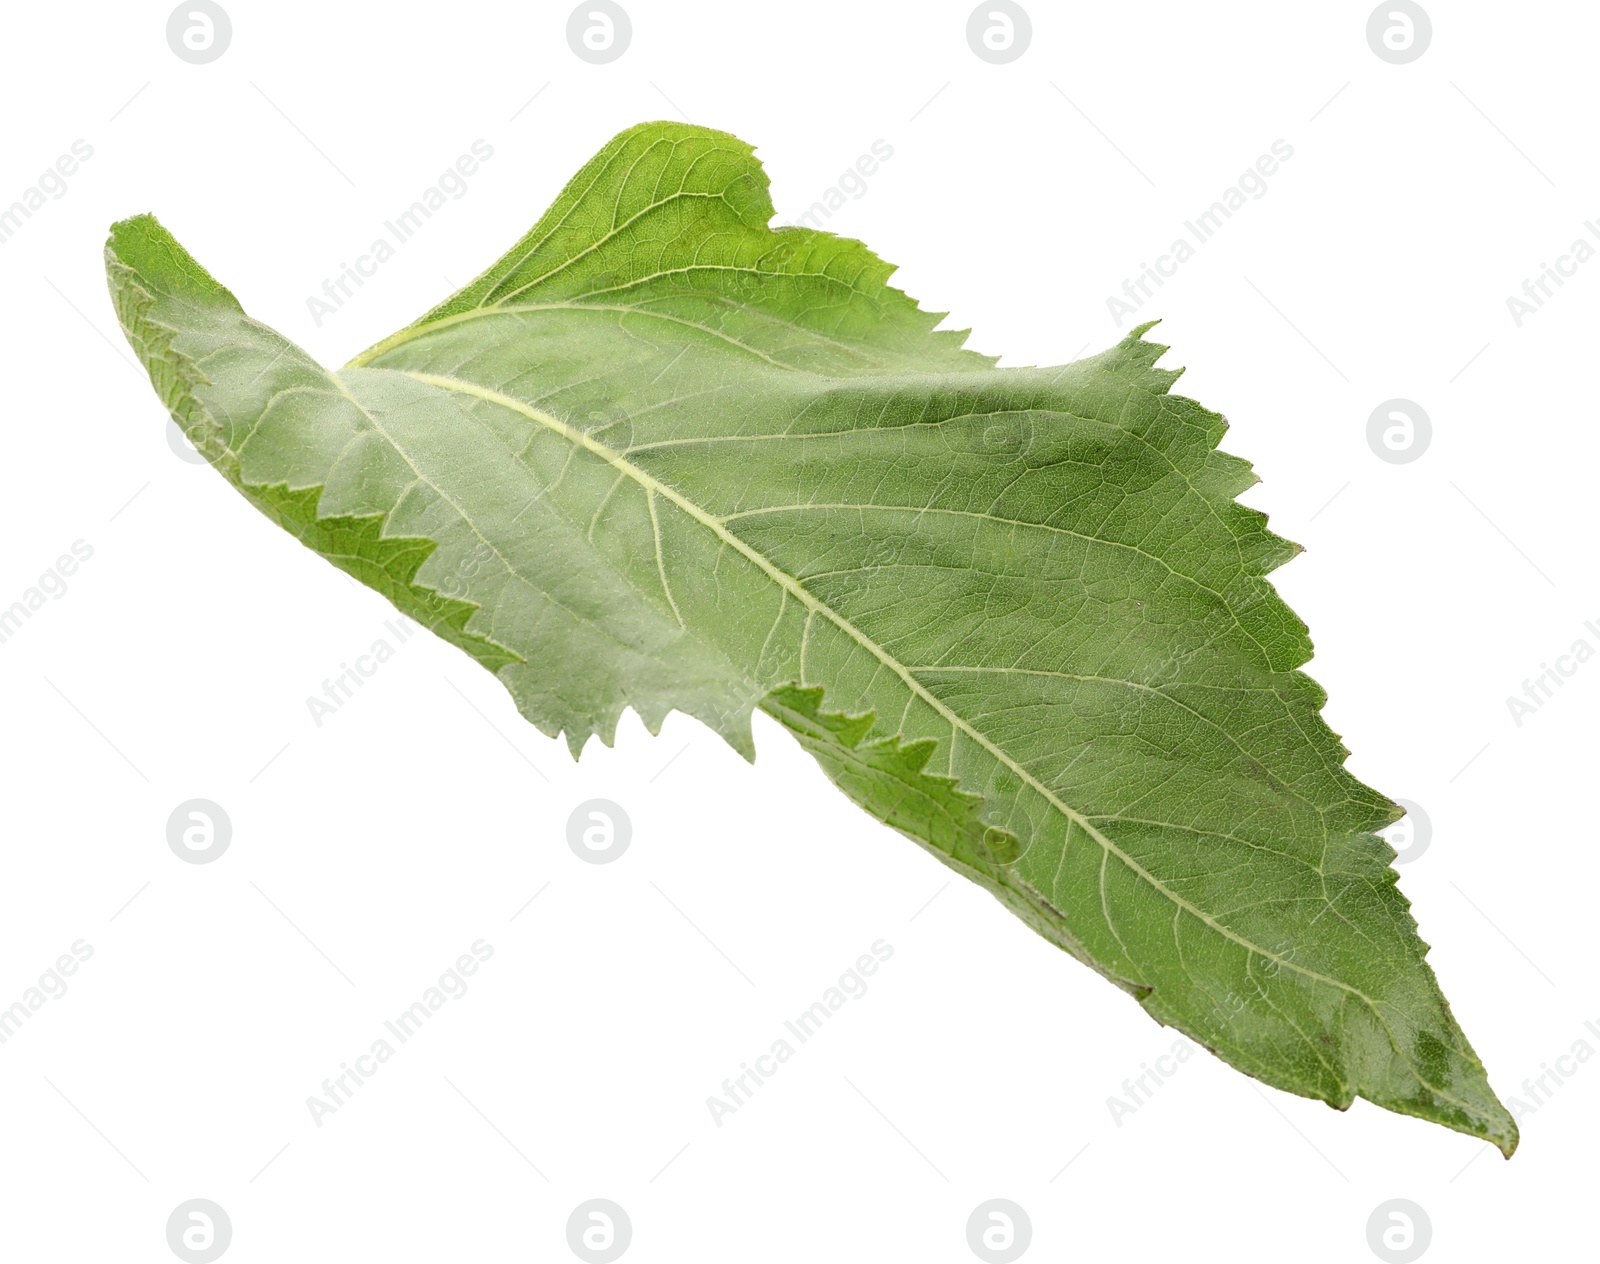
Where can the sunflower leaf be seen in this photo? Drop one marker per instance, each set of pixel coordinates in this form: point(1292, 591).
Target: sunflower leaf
point(661, 455)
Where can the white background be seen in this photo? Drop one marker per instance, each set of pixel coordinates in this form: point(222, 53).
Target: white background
point(369, 853)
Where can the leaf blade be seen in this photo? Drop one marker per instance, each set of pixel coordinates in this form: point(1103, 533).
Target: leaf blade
point(706, 466)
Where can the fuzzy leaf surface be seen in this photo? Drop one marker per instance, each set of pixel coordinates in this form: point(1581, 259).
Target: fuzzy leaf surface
point(663, 456)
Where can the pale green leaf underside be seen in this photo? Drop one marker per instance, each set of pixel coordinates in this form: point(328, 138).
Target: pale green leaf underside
point(661, 456)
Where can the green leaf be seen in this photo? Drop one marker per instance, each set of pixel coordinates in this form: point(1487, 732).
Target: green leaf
point(662, 456)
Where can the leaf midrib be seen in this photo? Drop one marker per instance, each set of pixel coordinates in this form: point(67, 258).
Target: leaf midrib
point(404, 336)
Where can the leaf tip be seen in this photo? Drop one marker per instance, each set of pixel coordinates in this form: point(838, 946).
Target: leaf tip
point(142, 244)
